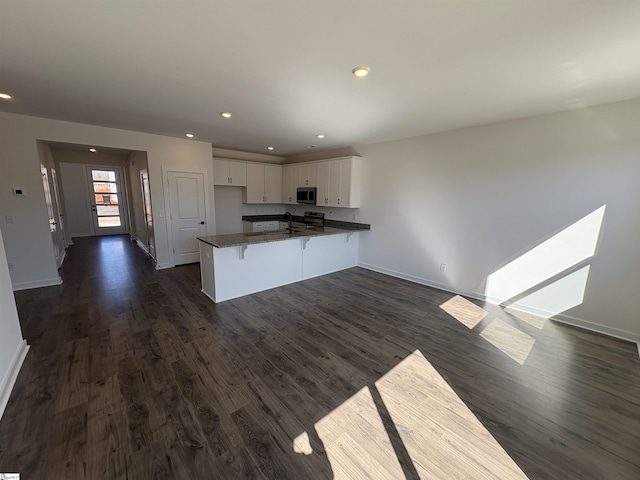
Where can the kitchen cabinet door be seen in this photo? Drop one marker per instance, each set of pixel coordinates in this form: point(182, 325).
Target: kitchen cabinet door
point(289, 184)
point(254, 193)
point(334, 183)
point(339, 183)
point(264, 183)
point(229, 172)
point(220, 172)
point(322, 197)
point(238, 173)
point(273, 183)
point(308, 175)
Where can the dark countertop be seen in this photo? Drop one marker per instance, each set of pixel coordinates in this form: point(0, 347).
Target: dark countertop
point(235, 239)
point(298, 219)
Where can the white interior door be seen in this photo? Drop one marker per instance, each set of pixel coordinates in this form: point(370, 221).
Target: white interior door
point(148, 217)
point(107, 200)
point(54, 227)
point(188, 214)
point(58, 205)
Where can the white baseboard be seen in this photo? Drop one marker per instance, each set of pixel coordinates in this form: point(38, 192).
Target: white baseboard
point(595, 327)
point(142, 246)
point(574, 322)
point(12, 375)
point(422, 281)
point(37, 284)
point(161, 266)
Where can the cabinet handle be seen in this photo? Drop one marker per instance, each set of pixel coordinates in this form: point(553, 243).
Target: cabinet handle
point(338, 201)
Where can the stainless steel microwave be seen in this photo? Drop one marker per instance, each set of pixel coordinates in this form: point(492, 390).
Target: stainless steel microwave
point(306, 195)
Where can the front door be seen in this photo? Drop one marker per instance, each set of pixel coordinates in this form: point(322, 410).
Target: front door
point(188, 214)
point(107, 200)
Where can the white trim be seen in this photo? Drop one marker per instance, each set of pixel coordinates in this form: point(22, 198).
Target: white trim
point(162, 266)
point(638, 349)
point(64, 255)
point(210, 297)
point(37, 284)
point(575, 322)
point(421, 281)
point(12, 375)
point(142, 246)
point(597, 328)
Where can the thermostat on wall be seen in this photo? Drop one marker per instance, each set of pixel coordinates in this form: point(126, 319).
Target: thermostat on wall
point(19, 191)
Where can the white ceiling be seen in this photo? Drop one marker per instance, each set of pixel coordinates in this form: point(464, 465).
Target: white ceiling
point(284, 67)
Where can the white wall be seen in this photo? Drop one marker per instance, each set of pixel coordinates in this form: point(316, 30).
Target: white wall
point(478, 198)
point(27, 241)
point(12, 347)
point(230, 209)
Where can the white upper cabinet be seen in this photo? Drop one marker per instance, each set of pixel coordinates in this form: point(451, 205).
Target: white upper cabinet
point(289, 183)
point(229, 172)
point(264, 183)
point(307, 175)
point(273, 183)
point(339, 183)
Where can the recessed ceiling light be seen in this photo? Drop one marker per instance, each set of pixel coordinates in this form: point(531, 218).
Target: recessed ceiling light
point(226, 114)
point(320, 135)
point(5, 96)
point(269, 147)
point(188, 135)
point(361, 71)
point(93, 150)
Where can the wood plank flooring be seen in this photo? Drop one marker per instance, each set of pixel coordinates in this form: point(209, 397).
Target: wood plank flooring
point(135, 374)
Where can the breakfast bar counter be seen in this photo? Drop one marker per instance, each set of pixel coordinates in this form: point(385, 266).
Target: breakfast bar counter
point(235, 265)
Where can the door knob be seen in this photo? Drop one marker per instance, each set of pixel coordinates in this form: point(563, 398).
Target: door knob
point(201, 223)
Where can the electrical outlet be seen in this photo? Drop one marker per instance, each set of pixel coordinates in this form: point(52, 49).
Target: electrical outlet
point(330, 214)
point(10, 266)
point(355, 216)
point(8, 218)
point(443, 267)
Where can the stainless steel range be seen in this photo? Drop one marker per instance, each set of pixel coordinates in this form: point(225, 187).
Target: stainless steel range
point(313, 220)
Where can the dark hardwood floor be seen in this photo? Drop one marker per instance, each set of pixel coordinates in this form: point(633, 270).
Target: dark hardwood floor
point(135, 374)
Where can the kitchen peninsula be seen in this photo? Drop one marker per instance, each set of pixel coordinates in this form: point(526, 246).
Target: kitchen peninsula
point(239, 264)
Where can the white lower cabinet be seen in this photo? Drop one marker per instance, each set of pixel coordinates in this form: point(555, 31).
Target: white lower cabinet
point(266, 226)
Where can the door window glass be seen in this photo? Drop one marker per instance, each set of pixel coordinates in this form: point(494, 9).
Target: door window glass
point(105, 190)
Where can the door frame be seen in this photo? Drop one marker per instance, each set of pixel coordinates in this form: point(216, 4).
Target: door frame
point(167, 203)
point(147, 206)
point(124, 195)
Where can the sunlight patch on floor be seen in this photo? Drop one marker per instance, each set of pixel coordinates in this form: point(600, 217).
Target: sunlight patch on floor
point(466, 312)
point(437, 430)
point(356, 441)
point(442, 436)
point(509, 340)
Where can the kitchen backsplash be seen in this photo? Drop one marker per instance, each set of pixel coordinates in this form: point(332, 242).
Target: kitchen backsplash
point(230, 209)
